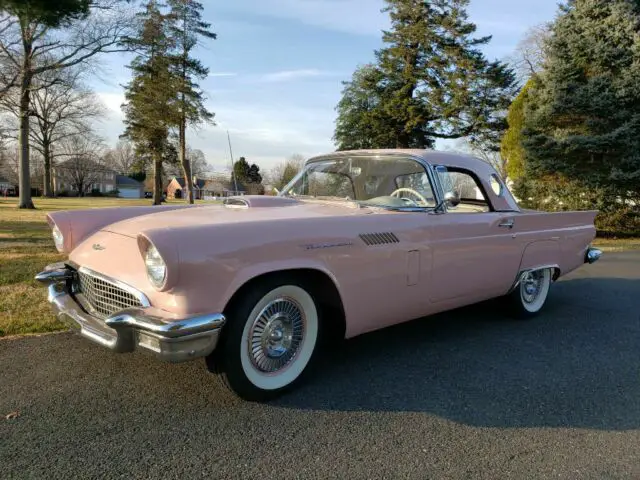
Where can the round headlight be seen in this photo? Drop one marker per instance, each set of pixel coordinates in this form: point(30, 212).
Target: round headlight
point(156, 268)
point(58, 239)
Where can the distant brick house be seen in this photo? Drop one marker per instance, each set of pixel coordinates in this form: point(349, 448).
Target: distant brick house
point(176, 188)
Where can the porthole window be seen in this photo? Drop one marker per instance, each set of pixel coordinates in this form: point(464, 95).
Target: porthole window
point(496, 185)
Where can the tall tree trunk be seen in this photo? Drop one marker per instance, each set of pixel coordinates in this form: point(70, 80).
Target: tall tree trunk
point(48, 182)
point(186, 165)
point(24, 173)
point(157, 180)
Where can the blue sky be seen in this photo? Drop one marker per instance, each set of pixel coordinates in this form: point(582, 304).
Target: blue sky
point(277, 66)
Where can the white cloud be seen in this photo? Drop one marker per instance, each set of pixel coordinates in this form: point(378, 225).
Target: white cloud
point(361, 17)
point(287, 75)
point(263, 133)
point(112, 101)
point(223, 74)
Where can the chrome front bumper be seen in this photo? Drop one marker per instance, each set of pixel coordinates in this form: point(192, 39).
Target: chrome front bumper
point(171, 340)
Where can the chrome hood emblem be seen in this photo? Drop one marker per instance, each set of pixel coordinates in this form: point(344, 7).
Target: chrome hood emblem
point(97, 246)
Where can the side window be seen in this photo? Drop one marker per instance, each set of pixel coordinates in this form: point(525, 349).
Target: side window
point(468, 190)
point(466, 186)
point(496, 185)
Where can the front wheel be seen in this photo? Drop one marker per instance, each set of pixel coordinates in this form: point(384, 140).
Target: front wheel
point(528, 298)
point(271, 337)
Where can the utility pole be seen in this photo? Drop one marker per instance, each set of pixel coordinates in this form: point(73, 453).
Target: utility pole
point(233, 173)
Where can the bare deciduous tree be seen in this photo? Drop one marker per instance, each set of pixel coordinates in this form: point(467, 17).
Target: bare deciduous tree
point(84, 166)
point(122, 158)
point(198, 165)
point(529, 56)
point(282, 173)
point(29, 48)
point(62, 108)
point(492, 157)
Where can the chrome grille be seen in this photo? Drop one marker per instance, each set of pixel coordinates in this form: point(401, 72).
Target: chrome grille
point(105, 297)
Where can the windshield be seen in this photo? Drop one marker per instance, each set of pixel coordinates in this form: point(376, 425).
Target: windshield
point(378, 180)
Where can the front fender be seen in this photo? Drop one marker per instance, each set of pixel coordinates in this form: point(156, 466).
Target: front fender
point(253, 271)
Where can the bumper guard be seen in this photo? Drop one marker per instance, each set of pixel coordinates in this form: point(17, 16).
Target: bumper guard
point(172, 340)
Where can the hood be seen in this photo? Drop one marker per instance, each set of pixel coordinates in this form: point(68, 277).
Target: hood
point(236, 210)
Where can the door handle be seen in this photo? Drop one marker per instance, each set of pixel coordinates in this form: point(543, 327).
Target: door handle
point(507, 223)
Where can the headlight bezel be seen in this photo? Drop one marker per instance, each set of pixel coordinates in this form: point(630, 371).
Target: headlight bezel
point(152, 258)
point(155, 266)
point(58, 237)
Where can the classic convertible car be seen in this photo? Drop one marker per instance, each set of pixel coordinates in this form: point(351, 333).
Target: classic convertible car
point(357, 241)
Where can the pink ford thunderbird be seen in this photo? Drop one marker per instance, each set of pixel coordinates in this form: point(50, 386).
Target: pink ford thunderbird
point(357, 241)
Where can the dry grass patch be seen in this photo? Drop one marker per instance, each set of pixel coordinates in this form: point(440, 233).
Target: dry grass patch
point(24, 309)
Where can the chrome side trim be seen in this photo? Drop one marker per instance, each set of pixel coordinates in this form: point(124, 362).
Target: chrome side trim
point(523, 273)
point(144, 301)
point(592, 255)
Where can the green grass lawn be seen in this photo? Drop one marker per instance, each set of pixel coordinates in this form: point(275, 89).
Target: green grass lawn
point(26, 247)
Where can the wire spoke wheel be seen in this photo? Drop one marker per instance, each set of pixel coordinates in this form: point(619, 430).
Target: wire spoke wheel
point(276, 335)
point(534, 288)
point(532, 285)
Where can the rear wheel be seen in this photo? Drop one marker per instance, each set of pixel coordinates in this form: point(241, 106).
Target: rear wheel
point(269, 341)
point(528, 298)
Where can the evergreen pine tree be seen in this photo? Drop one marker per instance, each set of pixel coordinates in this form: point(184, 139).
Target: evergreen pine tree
point(150, 100)
point(430, 81)
point(186, 26)
point(582, 120)
point(511, 147)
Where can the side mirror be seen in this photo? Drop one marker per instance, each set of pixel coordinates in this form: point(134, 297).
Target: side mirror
point(452, 199)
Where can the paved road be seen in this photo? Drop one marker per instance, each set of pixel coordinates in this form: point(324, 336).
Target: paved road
point(463, 395)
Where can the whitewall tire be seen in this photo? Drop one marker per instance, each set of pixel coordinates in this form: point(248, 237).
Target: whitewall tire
point(528, 298)
point(270, 339)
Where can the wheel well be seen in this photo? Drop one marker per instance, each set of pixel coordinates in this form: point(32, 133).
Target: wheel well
point(321, 287)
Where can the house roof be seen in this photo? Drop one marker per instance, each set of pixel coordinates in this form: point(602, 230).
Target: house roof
point(198, 184)
point(123, 180)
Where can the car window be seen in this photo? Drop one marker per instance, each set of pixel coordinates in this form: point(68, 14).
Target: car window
point(388, 181)
point(418, 182)
point(496, 185)
point(328, 184)
point(467, 188)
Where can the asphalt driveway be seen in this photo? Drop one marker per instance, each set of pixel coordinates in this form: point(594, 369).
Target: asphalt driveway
point(468, 394)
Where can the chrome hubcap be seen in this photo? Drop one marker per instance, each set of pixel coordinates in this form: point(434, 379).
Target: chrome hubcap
point(531, 285)
point(276, 335)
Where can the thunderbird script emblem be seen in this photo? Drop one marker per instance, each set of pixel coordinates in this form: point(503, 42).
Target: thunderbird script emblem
point(97, 246)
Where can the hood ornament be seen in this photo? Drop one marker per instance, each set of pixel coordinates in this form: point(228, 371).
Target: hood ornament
point(97, 246)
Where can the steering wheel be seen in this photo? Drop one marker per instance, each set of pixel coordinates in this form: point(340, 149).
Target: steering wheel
point(396, 193)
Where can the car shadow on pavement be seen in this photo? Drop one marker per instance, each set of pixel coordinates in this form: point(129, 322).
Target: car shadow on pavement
point(575, 365)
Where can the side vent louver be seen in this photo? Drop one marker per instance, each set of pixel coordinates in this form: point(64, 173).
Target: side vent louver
point(379, 238)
